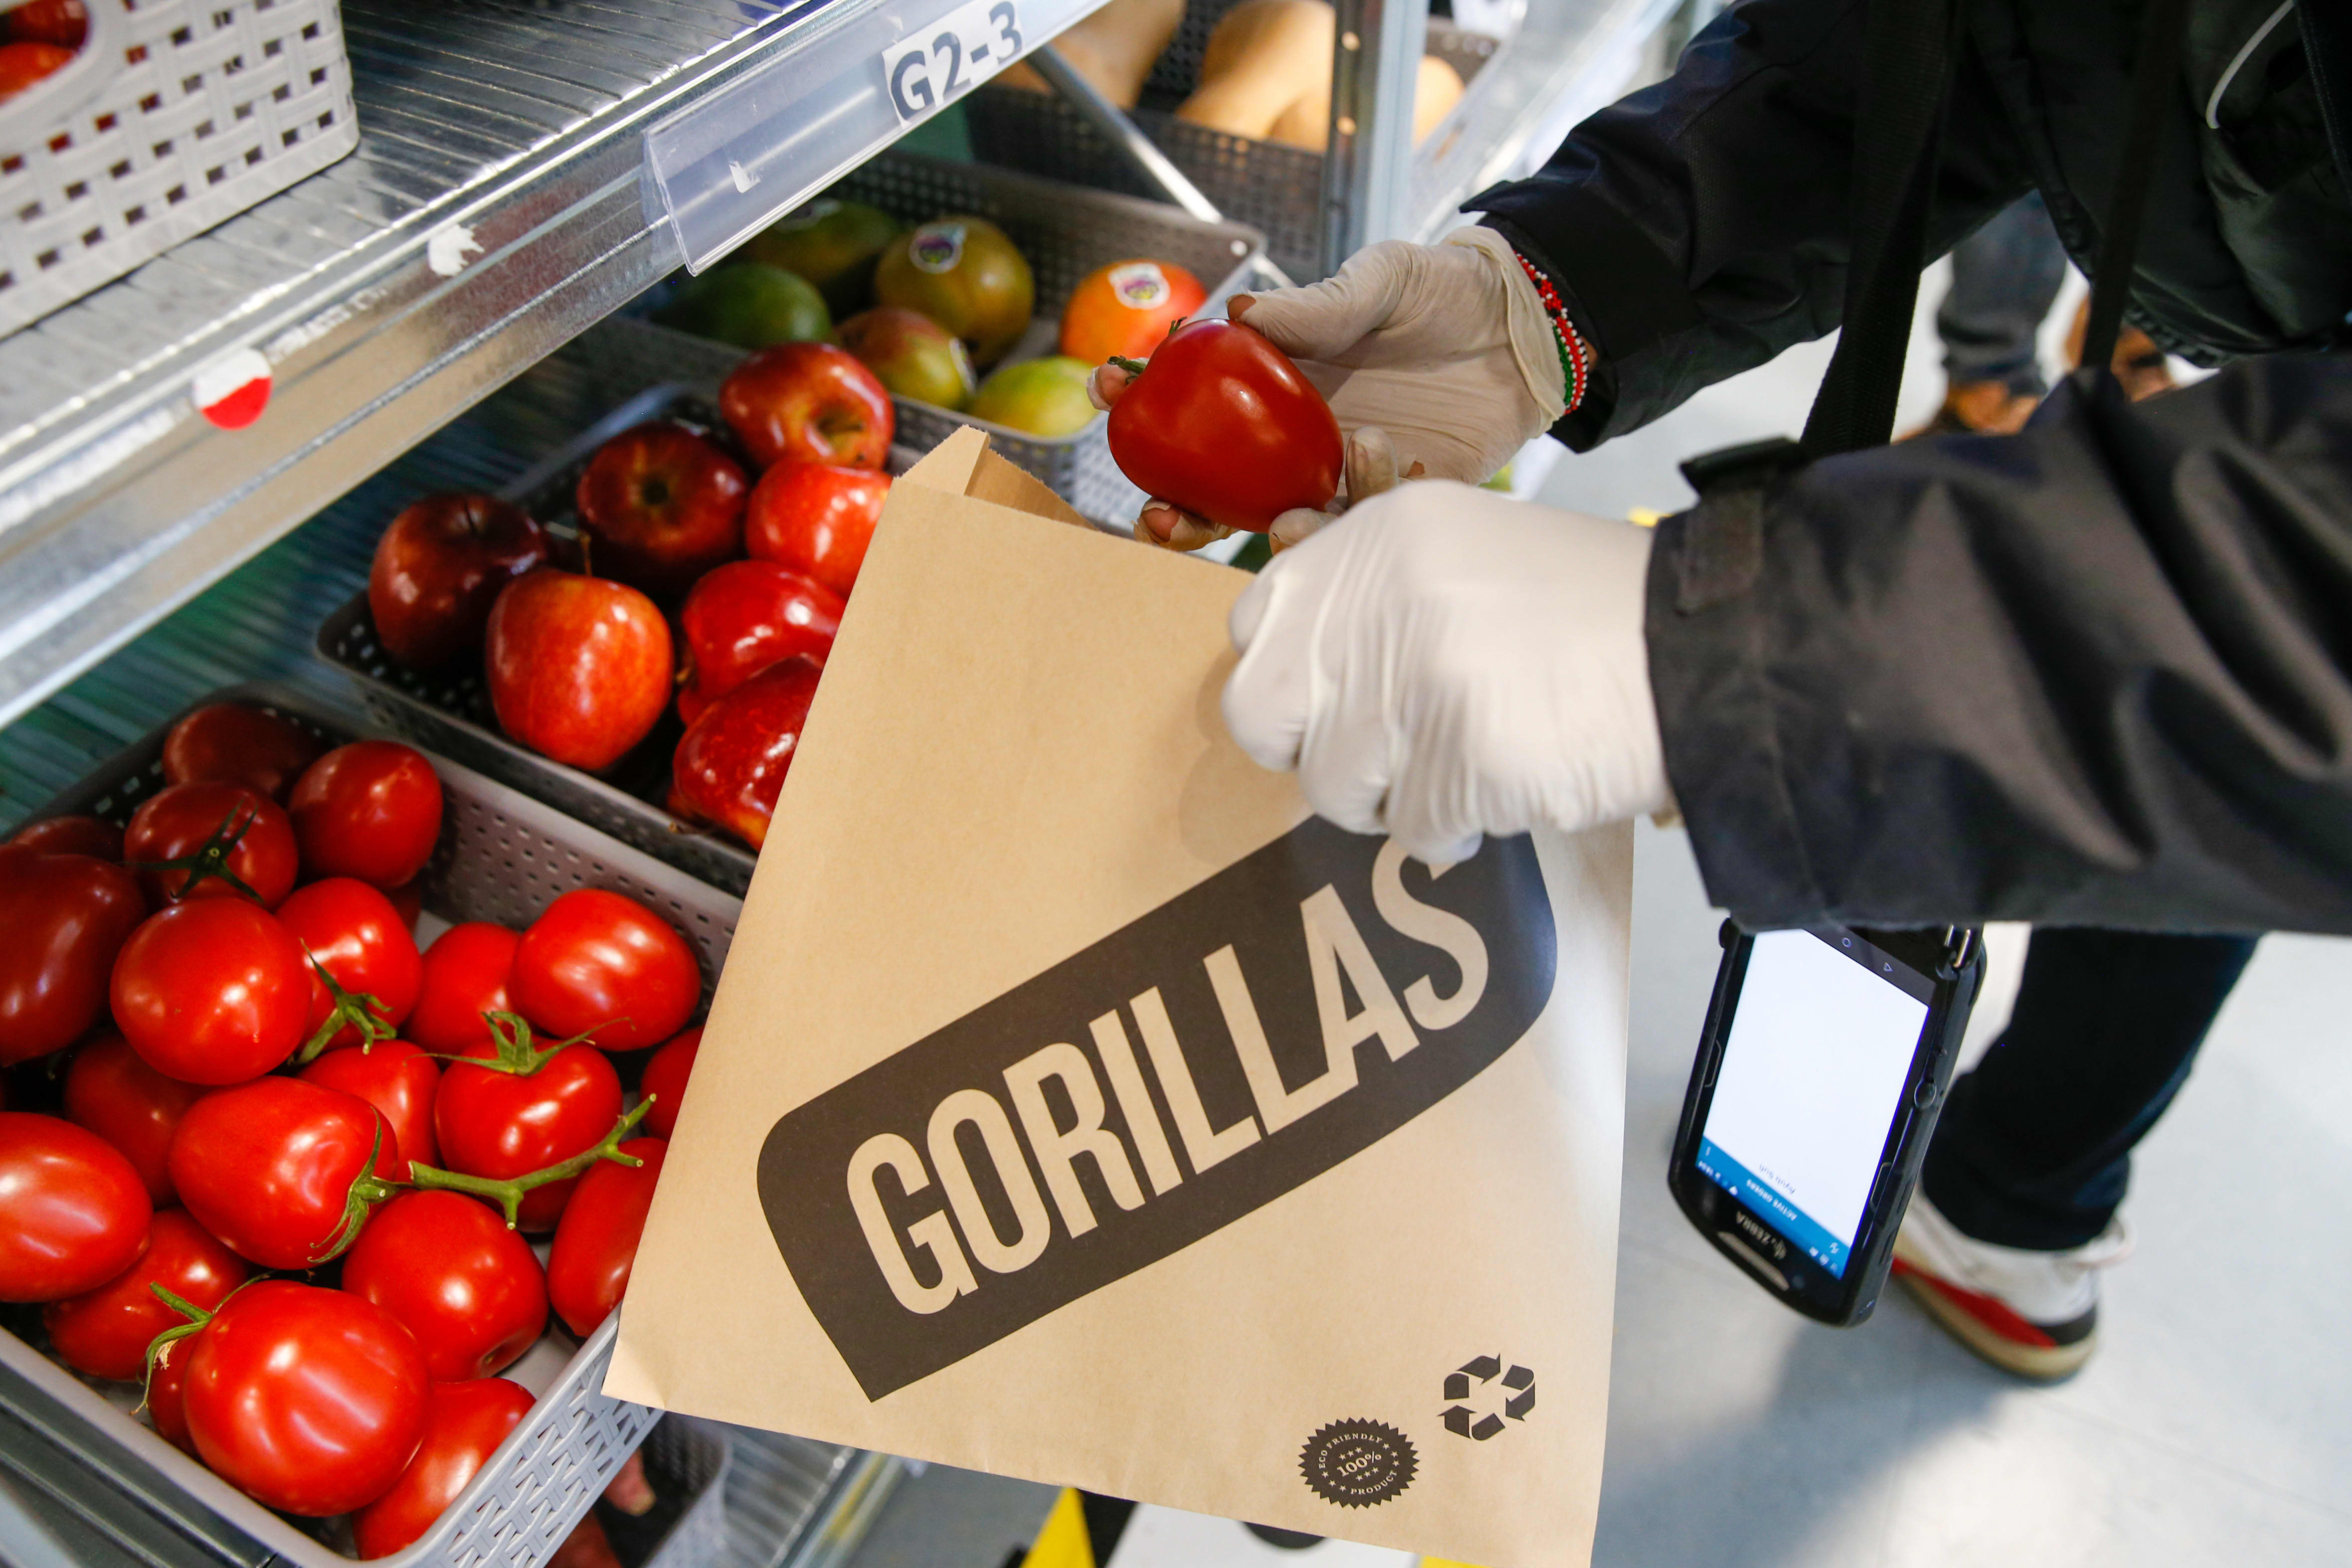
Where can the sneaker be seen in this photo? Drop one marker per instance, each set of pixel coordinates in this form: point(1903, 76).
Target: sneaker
point(2139, 365)
point(1979, 408)
point(2035, 1314)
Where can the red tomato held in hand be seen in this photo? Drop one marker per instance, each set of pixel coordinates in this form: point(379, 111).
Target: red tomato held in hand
point(1126, 308)
point(66, 918)
point(446, 1266)
point(212, 991)
point(1223, 424)
point(596, 1244)
point(816, 520)
point(601, 960)
point(281, 1170)
point(208, 829)
point(665, 1081)
point(106, 1331)
point(370, 809)
point(112, 1090)
point(464, 1425)
point(91, 836)
point(730, 764)
point(503, 1125)
point(73, 1214)
point(465, 976)
point(808, 403)
point(353, 933)
point(309, 1401)
point(748, 615)
point(401, 1082)
point(229, 743)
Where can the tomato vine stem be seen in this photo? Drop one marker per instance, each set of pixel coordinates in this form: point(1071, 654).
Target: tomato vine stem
point(508, 1193)
point(211, 857)
point(362, 1011)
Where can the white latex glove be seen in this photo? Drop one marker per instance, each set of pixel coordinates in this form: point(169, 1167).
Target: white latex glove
point(1444, 347)
point(1449, 662)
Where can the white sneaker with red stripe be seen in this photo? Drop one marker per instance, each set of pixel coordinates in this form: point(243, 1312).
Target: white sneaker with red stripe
point(2035, 1314)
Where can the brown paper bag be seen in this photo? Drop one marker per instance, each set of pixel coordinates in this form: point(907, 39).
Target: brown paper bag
point(1077, 1106)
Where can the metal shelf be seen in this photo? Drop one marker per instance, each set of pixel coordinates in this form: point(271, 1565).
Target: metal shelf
point(496, 204)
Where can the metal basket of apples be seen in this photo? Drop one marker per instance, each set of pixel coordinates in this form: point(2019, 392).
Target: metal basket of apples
point(632, 631)
point(268, 1158)
point(978, 296)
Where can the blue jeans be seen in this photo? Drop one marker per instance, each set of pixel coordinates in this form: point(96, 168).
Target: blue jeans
point(2034, 1146)
point(2005, 278)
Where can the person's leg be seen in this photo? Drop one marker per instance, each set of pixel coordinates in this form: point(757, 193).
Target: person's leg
point(2005, 278)
point(2035, 1147)
point(2015, 1214)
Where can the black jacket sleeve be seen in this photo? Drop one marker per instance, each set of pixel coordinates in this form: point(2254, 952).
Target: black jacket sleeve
point(1699, 227)
point(2099, 673)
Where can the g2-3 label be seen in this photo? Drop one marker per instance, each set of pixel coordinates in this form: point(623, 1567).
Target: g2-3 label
point(935, 66)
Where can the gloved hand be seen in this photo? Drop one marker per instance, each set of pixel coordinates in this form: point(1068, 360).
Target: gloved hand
point(1451, 662)
point(1444, 347)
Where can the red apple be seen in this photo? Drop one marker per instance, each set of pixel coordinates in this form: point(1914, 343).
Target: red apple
point(734, 757)
point(817, 520)
point(438, 568)
point(579, 667)
point(742, 618)
point(660, 506)
point(808, 403)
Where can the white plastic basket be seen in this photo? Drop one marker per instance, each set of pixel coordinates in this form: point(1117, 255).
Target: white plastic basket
point(175, 115)
point(502, 857)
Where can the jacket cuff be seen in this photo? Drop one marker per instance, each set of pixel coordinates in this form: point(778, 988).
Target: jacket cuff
point(1624, 294)
point(1706, 630)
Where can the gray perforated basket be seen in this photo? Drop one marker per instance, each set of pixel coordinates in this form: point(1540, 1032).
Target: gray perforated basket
point(174, 115)
point(1065, 230)
point(449, 710)
point(697, 1455)
point(1269, 185)
point(502, 857)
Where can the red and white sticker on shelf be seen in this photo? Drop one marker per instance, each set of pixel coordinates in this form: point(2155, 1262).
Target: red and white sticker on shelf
point(232, 391)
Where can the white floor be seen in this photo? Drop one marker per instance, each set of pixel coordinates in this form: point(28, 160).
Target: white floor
point(2215, 1424)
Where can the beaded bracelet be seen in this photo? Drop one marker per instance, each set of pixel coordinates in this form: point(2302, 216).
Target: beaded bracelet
point(1575, 354)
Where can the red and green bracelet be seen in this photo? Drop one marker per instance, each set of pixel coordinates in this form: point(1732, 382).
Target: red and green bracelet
point(1575, 354)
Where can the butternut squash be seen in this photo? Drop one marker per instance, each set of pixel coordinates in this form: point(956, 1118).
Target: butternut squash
point(1112, 48)
point(1261, 59)
point(1266, 74)
point(1308, 122)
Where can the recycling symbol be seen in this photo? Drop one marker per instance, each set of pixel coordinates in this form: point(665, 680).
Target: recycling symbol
point(1474, 1391)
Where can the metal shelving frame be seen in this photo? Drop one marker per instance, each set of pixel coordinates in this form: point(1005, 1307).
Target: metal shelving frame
point(498, 204)
point(507, 195)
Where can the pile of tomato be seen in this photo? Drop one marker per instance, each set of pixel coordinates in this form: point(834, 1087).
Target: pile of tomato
point(265, 1155)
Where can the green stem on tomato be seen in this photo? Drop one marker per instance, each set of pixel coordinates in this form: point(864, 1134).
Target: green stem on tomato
point(161, 1345)
point(362, 1011)
point(210, 859)
point(508, 1193)
point(1132, 367)
point(510, 1032)
point(367, 1190)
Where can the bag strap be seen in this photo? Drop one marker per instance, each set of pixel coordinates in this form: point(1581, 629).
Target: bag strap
point(1907, 48)
point(2156, 80)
